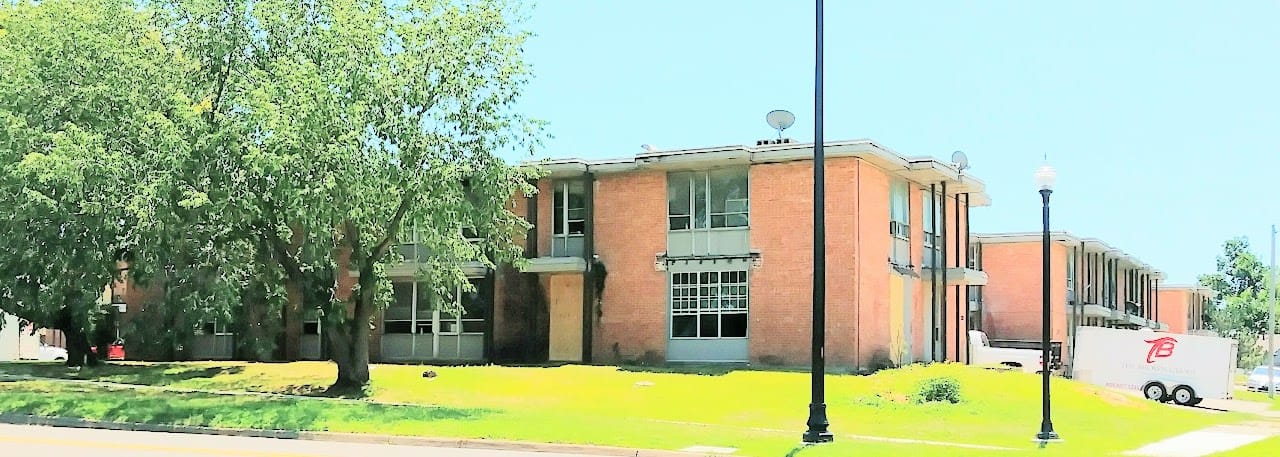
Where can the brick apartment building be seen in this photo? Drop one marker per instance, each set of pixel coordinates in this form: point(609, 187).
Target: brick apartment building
point(1184, 308)
point(696, 255)
point(1091, 284)
point(708, 256)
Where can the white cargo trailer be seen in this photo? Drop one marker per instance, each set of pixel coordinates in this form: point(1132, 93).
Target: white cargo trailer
point(1163, 366)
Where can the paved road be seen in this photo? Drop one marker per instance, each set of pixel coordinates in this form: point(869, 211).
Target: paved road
point(26, 440)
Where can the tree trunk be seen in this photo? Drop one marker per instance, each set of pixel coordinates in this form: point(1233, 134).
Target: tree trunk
point(78, 347)
point(352, 353)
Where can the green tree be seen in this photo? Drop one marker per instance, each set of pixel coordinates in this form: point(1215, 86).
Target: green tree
point(1241, 284)
point(90, 101)
point(338, 128)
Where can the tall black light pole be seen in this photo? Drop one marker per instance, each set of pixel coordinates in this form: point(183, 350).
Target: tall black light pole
point(1045, 178)
point(818, 432)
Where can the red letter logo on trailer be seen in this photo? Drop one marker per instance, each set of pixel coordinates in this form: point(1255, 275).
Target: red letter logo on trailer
point(1160, 348)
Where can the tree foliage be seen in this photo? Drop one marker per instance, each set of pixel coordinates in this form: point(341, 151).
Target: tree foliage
point(1241, 284)
point(236, 150)
point(339, 128)
point(90, 101)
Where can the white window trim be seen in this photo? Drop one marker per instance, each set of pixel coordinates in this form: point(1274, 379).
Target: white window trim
point(698, 311)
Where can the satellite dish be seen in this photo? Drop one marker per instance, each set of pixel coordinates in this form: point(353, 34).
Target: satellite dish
point(780, 120)
point(960, 160)
point(648, 147)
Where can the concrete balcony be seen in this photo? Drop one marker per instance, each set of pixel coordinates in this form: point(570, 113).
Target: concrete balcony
point(957, 276)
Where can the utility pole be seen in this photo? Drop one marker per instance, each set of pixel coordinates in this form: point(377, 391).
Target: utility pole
point(1271, 320)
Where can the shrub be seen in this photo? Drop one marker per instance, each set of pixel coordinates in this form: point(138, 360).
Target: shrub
point(938, 389)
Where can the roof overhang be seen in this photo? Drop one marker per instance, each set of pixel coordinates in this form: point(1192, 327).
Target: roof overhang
point(1090, 245)
point(1206, 291)
point(921, 170)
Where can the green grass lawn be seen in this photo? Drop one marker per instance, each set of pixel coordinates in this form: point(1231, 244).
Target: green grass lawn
point(761, 413)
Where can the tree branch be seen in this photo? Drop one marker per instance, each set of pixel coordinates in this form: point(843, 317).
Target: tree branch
point(393, 226)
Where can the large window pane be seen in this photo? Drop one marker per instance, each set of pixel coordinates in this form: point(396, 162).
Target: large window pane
point(684, 326)
point(678, 194)
point(699, 200)
point(709, 325)
point(402, 303)
point(558, 207)
point(733, 325)
point(729, 202)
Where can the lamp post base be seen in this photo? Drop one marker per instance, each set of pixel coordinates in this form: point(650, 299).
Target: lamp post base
point(813, 437)
point(817, 422)
point(1048, 436)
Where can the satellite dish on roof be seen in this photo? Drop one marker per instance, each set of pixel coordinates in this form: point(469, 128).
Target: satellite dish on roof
point(960, 160)
point(780, 120)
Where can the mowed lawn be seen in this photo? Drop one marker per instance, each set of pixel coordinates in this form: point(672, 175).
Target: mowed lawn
point(758, 412)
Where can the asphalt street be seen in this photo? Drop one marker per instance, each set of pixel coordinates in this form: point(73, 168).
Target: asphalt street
point(37, 440)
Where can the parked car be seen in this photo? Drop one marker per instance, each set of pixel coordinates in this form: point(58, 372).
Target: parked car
point(982, 354)
point(1258, 379)
point(47, 352)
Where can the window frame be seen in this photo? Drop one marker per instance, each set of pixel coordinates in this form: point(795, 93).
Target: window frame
point(433, 322)
point(693, 304)
point(701, 196)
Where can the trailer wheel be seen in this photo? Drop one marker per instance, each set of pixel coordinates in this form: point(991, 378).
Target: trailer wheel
point(1184, 395)
point(1155, 391)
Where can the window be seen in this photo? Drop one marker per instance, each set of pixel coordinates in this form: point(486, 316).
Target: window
point(311, 321)
point(929, 237)
point(410, 310)
point(900, 224)
point(975, 255)
point(414, 311)
point(975, 307)
point(702, 199)
point(570, 208)
point(214, 327)
point(1071, 275)
point(475, 308)
point(709, 304)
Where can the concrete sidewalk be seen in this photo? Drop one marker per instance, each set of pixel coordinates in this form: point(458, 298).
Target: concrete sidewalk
point(1209, 441)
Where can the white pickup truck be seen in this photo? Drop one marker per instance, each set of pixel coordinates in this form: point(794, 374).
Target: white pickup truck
point(982, 354)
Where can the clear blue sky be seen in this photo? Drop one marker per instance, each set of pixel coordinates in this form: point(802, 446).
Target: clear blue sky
point(1161, 117)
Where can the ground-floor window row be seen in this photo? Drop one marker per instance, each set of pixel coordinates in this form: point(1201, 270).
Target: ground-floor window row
point(709, 304)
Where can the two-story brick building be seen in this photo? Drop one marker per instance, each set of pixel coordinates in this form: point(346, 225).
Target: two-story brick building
point(1091, 284)
point(705, 255)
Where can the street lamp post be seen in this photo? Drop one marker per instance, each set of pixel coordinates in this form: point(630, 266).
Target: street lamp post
point(817, 432)
point(1045, 178)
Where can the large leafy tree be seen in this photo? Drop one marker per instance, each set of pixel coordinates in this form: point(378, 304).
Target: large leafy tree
point(338, 128)
point(91, 103)
point(1241, 284)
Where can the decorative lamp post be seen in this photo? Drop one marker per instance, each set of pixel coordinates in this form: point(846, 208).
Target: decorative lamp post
point(1045, 179)
point(817, 431)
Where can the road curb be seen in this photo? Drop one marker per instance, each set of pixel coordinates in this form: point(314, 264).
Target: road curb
point(460, 443)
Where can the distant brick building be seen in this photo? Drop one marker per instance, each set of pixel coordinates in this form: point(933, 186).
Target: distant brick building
point(1090, 283)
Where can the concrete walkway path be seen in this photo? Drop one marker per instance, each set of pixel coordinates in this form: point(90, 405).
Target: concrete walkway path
point(1209, 441)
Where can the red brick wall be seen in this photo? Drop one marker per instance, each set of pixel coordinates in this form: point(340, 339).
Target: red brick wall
point(781, 289)
point(1173, 309)
point(872, 271)
point(1013, 297)
point(630, 221)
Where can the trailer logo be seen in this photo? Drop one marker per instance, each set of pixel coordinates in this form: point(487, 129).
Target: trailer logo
point(1160, 348)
